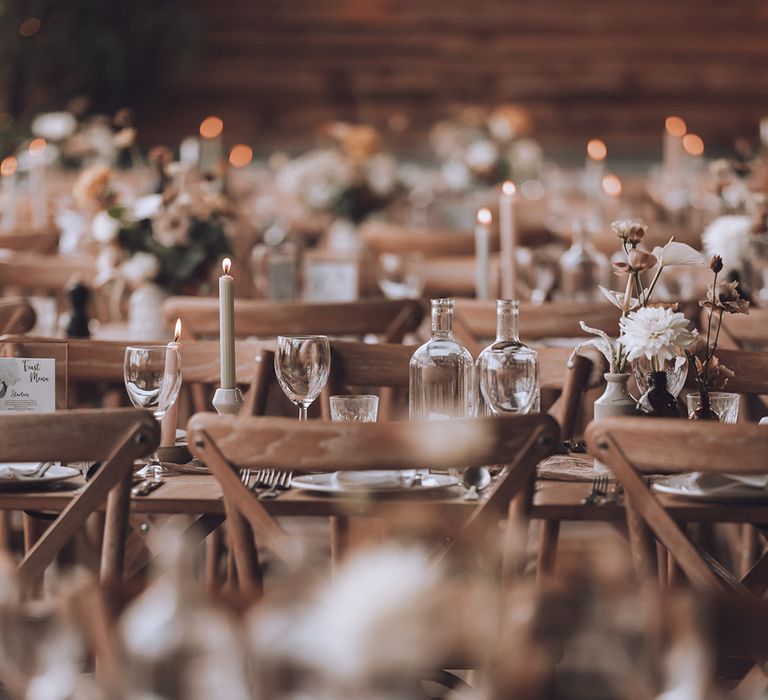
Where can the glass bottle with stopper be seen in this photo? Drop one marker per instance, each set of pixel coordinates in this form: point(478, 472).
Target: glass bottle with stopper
point(508, 370)
point(441, 372)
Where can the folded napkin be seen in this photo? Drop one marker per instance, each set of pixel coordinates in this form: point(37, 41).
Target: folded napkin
point(19, 470)
point(716, 483)
point(375, 479)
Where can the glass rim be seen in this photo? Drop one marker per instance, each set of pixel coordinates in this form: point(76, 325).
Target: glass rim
point(353, 396)
point(148, 347)
point(302, 337)
point(716, 394)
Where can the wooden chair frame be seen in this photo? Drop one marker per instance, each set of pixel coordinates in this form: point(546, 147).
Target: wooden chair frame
point(387, 318)
point(16, 316)
point(227, 444)
point(116, 437)
point(631, 447)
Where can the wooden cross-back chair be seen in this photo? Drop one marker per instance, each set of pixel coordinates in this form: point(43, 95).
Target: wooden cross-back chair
point(16, 316)
point(115, 437)
point(633, 447)
point(740, 331)
point(42, 274)
point(227, 444)
point(45, 241)
point(475, 320)
point(389, 319)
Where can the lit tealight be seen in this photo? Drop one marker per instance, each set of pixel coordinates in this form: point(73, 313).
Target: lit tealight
point(508, 188)
point(226, 265)
point(675, 126)
point(596, 149)
point(612, 186)
point(37, 146)
point(8, 166)
point(177, 330)
point(693, 145)
point(211, 127)
point(240, 155)
point(484, 216)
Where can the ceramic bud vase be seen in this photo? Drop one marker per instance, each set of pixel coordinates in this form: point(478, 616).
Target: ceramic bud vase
point(615, 401)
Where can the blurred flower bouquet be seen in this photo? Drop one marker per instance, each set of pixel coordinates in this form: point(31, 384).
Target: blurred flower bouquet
point(709, 373)
point(483, 148)
point(173, 239)
point(350, 179)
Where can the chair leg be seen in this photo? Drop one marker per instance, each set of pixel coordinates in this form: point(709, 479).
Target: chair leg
point(249, 575)
point(32, 529)
point(545, 563)
point(116, 529)
point(339, 540)
point(643, 546)
point(213, 551)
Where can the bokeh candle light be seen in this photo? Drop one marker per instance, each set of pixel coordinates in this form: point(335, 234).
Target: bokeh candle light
point(482, 253)
point(508, 233)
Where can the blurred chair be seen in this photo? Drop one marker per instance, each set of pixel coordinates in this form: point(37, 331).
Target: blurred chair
point(635, 447)
point(227, 445)
point(389, 319)
point(16, 316)
point(117, 438)
point(475, 320)
point(741, 331)
point(45, 242)
point(42, 274)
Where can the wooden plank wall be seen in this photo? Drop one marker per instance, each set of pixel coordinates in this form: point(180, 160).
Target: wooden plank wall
point(277, 69)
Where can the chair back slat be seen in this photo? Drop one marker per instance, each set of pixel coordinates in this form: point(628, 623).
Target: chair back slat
point(268, 319)
point(320, 446)
point(51, 274)
point(16, 316)
point(750, 368)
point(655, 445)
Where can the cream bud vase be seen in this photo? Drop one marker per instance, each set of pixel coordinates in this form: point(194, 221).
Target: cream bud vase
point(615, 401)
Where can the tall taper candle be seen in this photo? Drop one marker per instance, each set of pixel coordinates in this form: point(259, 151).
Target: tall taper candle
point(38, 195)
point(227, 326)
point(674, 130)
point(482, 254)
point(171, 417)
point(508, 226)
point(8, 196)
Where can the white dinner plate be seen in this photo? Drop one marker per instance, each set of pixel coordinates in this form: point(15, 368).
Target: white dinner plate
point(55, 473)
point(326, 483)
point(685, 485)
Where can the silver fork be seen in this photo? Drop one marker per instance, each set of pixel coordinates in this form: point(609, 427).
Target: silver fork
point(599, 489)
point(282, 483)
point(614, 496)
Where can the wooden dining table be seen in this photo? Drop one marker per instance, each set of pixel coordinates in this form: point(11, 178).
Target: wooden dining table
point(201, 495)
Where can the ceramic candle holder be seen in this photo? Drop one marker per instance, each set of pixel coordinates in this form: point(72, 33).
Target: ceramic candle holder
point(228, 402)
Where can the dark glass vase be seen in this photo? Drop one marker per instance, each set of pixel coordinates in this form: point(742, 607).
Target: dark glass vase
point(658, 401)
point(704, 410)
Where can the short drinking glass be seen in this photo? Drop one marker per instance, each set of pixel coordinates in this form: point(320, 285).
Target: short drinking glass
point(358, 408)
point(723, 403)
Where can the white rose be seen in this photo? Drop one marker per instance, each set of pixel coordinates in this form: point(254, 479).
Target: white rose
point(729, 237)
point(482, 155)
point(140, 268)
point(456, 175)
point(382, 174)
point(105, 227)
point(146, 207)
point(54, 126)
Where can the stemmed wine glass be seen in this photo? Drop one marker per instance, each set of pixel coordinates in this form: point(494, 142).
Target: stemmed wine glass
point(152, 375)
point(302, 365)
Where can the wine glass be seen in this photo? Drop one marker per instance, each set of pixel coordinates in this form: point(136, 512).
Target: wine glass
point(302, 364)
point(401, 276)
point(152, 375)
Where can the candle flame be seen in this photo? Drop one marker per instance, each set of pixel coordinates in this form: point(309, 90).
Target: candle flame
point(612, 186)
point(8, 166)
point(211, 127)
point(37, 146)
point(226, 265)
point(693, 144)
point(508, 187)
point(240, 155)
point(675, 126)
point(177, 330)
point(596, 149)
point(484, 216)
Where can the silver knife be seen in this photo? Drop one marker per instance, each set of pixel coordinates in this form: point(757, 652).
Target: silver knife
point(146, 487)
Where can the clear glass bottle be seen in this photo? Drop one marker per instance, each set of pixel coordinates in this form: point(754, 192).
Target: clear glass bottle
point(441, 372)
point(508, 370)
point(582, 269)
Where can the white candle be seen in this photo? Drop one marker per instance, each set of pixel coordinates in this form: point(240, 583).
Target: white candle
point(674, 130)
point(764, 132)
point(171, 418)
point(508, 226)
point(211, 148)
point(8, 200)
point(37, 183)
point(595, 167)
point(227, 326)
point(693, 145)
point(482, 253)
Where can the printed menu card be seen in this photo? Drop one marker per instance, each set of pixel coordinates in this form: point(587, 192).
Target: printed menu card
point(28, 384)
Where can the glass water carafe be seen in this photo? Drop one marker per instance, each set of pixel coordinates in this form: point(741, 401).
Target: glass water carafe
point(441, 372)
point(508, 370)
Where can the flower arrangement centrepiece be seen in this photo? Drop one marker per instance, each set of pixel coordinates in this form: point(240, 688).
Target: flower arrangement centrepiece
point(653, 337)
point(709, 373)
point(162, 244)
